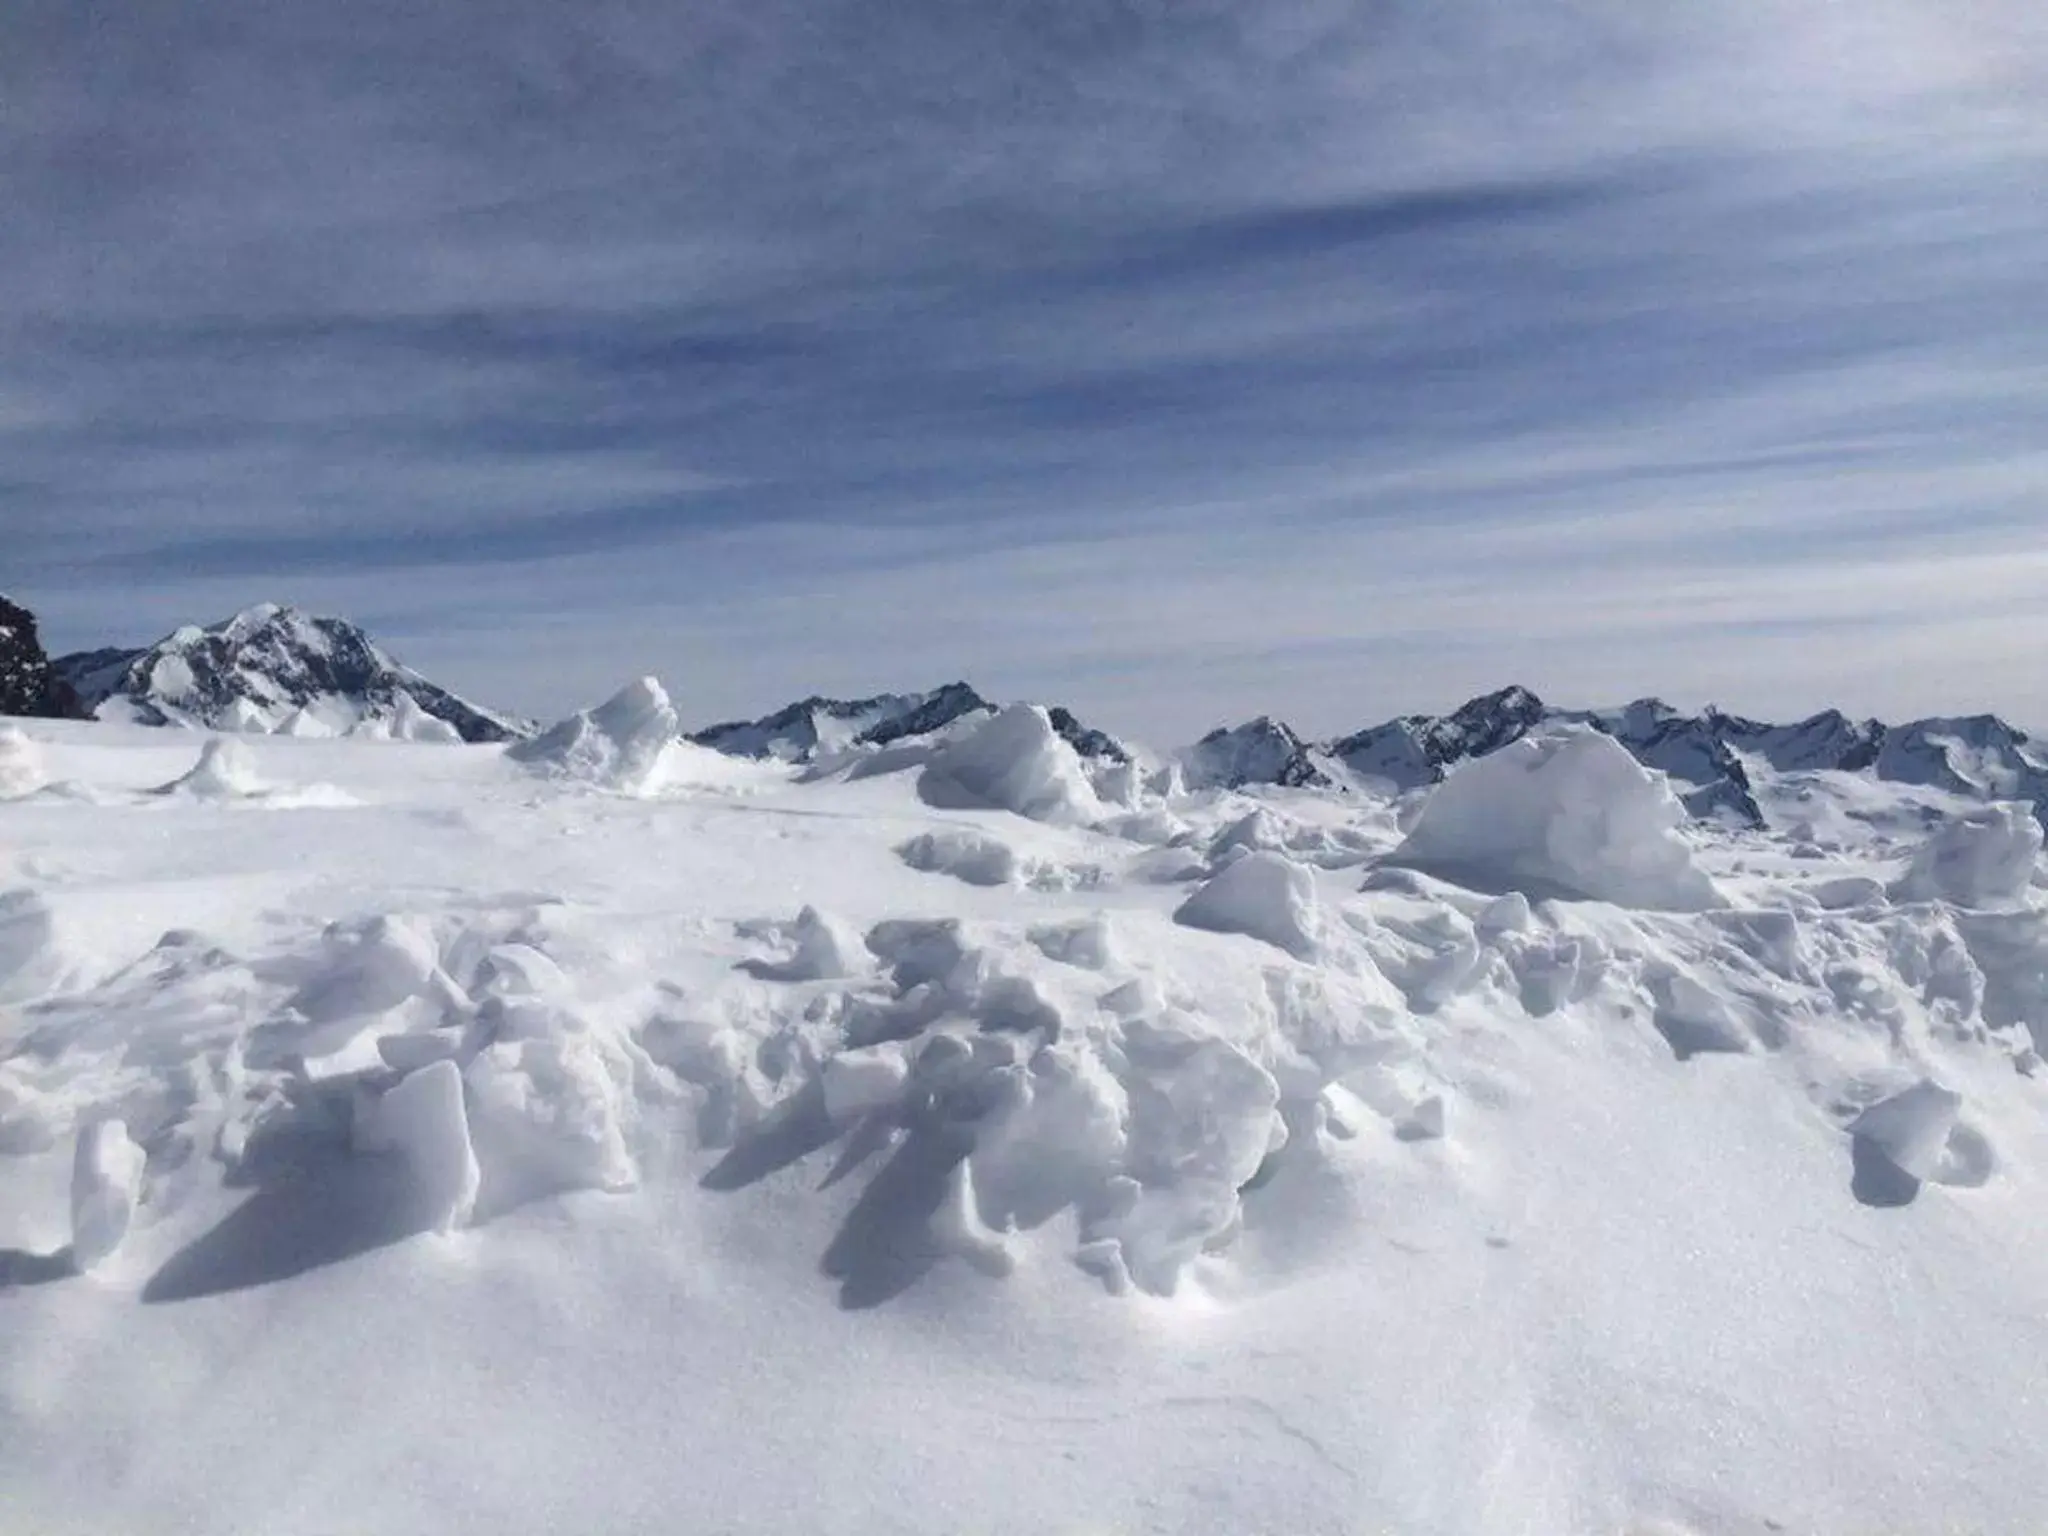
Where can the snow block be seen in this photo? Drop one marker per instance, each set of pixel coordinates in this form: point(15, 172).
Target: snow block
point(826, 949)
point(1984, 859)
point(858, 1082)
point(30, 955)
point(423, 1120)
point(1912, 1128)
point(964, 854)
point(1569, 813)
point(1015, 761)
point(622, 745)
point(21, 763)
point(1265, 895)
point(225, 771)
point(106, 1181)
point(958, 1228)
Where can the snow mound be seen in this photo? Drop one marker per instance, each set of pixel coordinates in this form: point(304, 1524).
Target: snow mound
point(1015, 761)
point(1984, 859)
point(106, 1182)
point(404, 721)
point(1265, 895)
point(623, 745)
point(225, 771)
point(1569, 813)
point(21, 763)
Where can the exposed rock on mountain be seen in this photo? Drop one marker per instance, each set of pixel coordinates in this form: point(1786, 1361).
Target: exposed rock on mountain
point(29, 683)
point(274, 669)
point(1261, 751)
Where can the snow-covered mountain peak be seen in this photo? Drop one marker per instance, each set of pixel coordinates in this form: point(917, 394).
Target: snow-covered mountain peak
point(1260, 751)
point(275, 668)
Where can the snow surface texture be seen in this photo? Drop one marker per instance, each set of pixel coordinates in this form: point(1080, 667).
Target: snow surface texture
point(494, 1155)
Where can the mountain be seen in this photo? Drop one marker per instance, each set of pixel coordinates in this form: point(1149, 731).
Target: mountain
point(1416, 749)
point(29, 683)
point(1710, 757)
point(275, 669)
point(819, 727)
point(1261, 751)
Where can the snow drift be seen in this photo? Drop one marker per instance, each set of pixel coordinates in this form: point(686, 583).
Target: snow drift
point(624, 745)
point(1566, 814)
point(1015, 761)
point(496, 1064)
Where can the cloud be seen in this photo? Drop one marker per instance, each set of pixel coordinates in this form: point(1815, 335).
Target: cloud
point(1180, 361)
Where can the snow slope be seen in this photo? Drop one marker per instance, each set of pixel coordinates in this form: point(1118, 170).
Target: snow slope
point(418, 1139)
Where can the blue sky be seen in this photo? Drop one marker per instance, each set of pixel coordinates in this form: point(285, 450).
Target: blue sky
point(1174, 361)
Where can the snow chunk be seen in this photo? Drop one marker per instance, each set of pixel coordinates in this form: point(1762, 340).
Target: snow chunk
point(106, 1181)
point(21, 763)
point(1911, 1128)
point(423, 1119)
point(962, 853)
point(1983, 859)
point(225, 771)
point(859, 1082)
point(30, 957)
point(1084, 943)
point(958, 1228)
point(1015, 761)
point(622, 745)
point(826, 948)
point(1265, 895)
point(1568, 813)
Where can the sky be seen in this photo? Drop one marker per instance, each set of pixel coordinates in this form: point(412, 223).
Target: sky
point(1178, 361)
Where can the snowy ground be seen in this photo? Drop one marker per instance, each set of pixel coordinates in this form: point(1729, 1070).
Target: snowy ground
point(630, 1141)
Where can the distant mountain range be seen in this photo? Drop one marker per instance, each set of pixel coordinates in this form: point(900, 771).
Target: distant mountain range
point(1709, 756)
point(816, 727)
point(276, 669)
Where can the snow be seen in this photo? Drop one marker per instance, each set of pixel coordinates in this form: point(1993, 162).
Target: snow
point(1265, 895)
point(106, 1182)
point(21, 763)
point(624, 745)
point(1013, 761)
point(1912, 1127)
point(422, 1119)
point(1566, 813)
point(225, 771)
point(468, 1151)
point(1985, 858)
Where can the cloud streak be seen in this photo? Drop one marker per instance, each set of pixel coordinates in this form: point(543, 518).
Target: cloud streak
point(1174, 361)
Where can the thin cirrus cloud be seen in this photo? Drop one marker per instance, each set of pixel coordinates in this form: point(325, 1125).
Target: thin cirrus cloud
point(1177, 362)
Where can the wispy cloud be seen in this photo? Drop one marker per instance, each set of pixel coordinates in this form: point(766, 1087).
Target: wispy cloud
point(1175, 361)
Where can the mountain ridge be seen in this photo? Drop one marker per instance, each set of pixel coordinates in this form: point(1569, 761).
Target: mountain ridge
point(276, 669)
